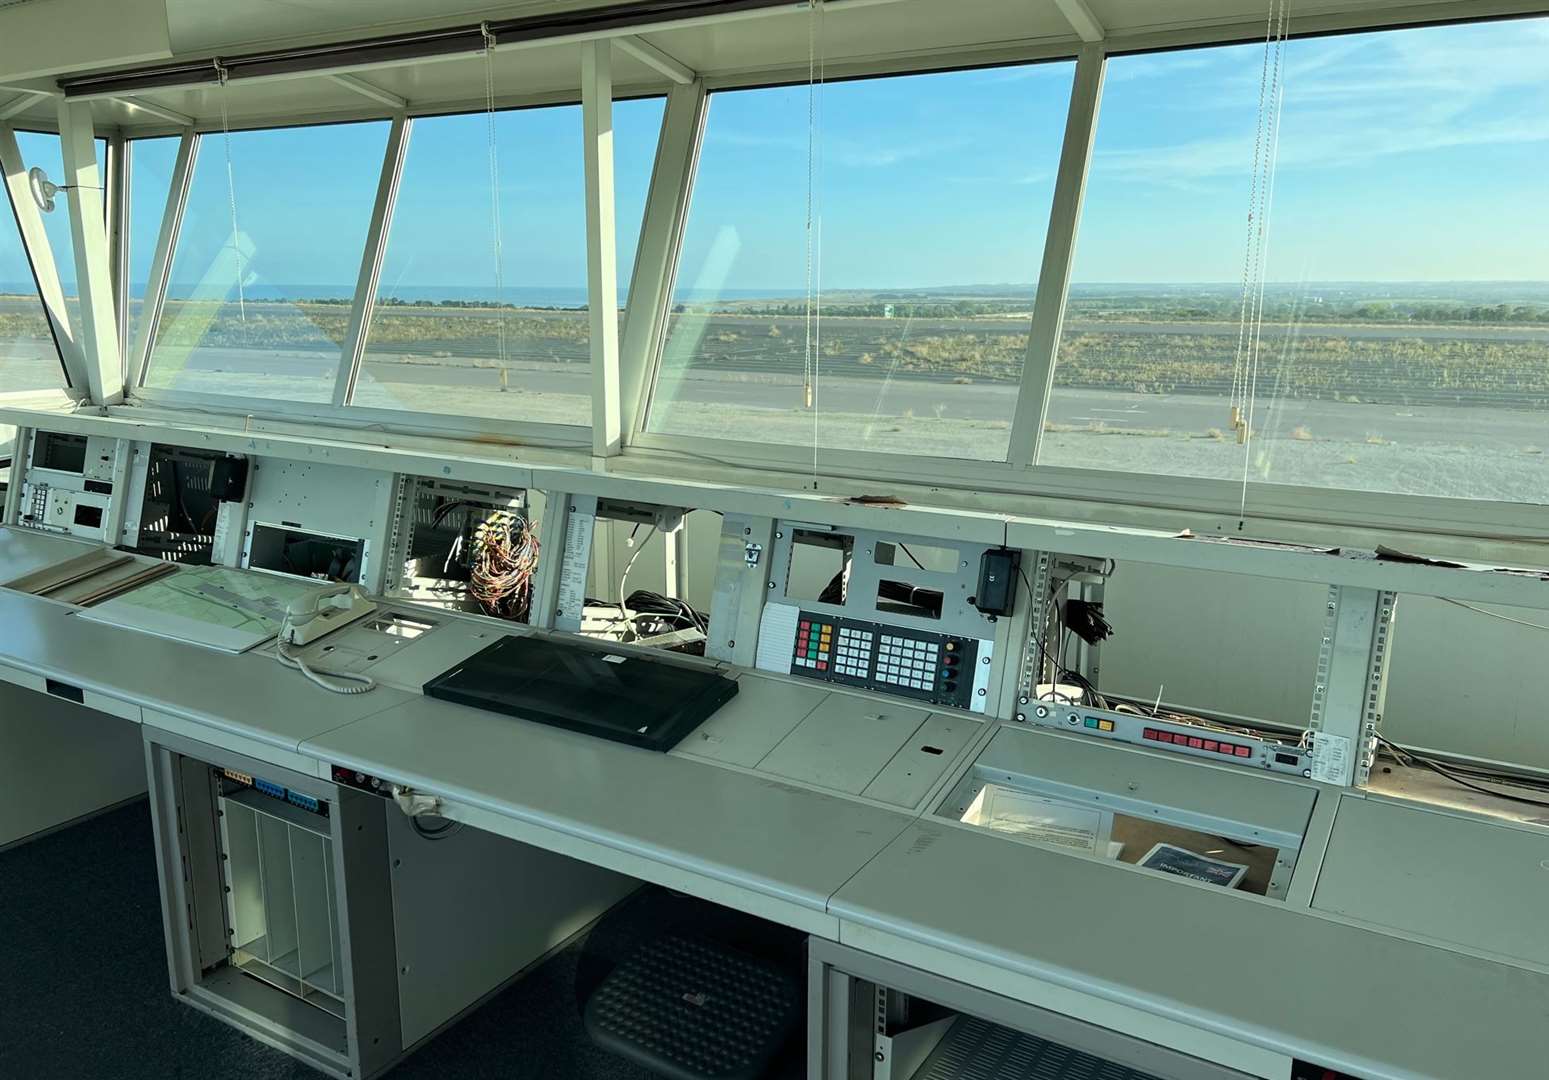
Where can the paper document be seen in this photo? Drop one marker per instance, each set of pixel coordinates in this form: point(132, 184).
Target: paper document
point(776, 637)
point(1045, 820)
point(1184, 863)
point(213, 606)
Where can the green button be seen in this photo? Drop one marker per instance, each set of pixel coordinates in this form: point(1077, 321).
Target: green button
point(1091, 721)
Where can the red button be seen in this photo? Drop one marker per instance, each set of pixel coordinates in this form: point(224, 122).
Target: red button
point(1244, 751)
point(1164, 736)
point(1210, 744)
point(1196, 744)
point(1149, 733)
point(822, 665)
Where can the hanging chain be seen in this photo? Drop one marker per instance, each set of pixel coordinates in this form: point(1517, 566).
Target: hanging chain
point(1250, 251)
point(494, 199)
point(231, 194)
point(808, 389)
point(1270, 109)
point(812, 353)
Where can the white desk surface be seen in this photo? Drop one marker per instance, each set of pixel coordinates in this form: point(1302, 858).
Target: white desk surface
point(22, 551)
point(993, 910)
point(1284, 979)
point(752, 832)
point(1446, 876)
point(248, 695)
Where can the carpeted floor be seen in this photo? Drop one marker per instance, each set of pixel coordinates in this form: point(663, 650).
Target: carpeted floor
point(84, 992)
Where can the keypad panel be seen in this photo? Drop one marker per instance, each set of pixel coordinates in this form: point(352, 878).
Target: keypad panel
point(935, 668)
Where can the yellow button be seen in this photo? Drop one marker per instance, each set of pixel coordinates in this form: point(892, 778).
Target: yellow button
point(1105, 725)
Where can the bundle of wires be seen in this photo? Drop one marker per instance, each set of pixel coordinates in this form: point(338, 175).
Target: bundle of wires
point(652, 613)
point(505, 559)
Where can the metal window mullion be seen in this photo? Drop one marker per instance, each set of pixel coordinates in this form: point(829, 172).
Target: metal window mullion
point(656, 256)
point(139, 358)
point(1058, 255)
point(45, 271)
point(353, 352)
point(602, 284)
point(98, 335)
point(118, 237)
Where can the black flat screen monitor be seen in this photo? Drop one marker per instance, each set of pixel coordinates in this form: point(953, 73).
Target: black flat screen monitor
point(628, 698)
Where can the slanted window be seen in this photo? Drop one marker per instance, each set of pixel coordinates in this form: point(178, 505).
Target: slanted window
point(29, 359)
point(42, 150)
point(929, 201)
point(1405, 340)
point(151, 162)
point(264, 272)
point(448, 334)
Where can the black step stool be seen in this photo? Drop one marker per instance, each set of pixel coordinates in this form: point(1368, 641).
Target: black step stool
point(691, 1009)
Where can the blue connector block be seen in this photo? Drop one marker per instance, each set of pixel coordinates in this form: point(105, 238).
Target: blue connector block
point(306, 802)
point(268, 788)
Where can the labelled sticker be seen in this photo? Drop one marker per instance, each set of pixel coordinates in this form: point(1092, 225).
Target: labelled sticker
point(1331, 758)
point(614, 658)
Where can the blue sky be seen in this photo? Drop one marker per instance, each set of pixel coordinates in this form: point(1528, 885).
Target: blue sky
point(304, 199)
point(1407, 155)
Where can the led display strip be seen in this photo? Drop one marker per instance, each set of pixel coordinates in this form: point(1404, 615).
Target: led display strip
point(1212, 744)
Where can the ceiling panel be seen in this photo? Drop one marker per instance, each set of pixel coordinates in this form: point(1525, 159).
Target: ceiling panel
point(774, 43)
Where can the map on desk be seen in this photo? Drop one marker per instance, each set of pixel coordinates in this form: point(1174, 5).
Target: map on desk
point(214, 606)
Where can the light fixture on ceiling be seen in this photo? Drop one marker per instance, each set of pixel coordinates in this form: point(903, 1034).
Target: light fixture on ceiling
point(43, 189)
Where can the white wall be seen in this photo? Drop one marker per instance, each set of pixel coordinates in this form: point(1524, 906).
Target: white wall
point(1459, 681)
point(61, 761)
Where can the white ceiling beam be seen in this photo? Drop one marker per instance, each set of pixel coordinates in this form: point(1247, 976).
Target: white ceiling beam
point(18, 105)
point(655, 59)
point(159, 111)
point(367, 90)
point(1081, 19)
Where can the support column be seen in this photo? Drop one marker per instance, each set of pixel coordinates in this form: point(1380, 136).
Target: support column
point(1352, 680)
point(601, 249)
point(102, 360)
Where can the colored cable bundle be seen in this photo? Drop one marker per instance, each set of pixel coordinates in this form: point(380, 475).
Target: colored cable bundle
point(505, 558)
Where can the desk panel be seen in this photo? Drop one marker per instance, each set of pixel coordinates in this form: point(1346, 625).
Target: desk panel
point(1022, 919)
point(22, 551)
point(250, 695)
point(755, 833)
point(1475, 882)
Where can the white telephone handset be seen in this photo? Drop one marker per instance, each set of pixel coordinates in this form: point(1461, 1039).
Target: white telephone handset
point(308, 618)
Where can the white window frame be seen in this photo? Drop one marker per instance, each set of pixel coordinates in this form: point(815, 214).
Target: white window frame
point(339, 411)
point(1353, 516)
point(1217, 503)
point(45, 271)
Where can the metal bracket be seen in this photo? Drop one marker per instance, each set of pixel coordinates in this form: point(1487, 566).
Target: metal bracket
point(1350, 689)
point(1037, 621)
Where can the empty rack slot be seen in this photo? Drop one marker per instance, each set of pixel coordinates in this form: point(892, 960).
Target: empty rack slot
point(282, 906)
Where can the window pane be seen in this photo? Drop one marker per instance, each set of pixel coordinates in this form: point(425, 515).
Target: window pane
point(444, 339)
point(42, 150)
point(151, 162)
point(933, 196)
point(1406, 330)
point(303, 199)
point(28, 358)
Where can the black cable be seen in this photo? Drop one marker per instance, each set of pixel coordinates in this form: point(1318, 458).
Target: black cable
point(1440, 770)
point(448, 828)
point(905, 549)
point(1043, 648)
